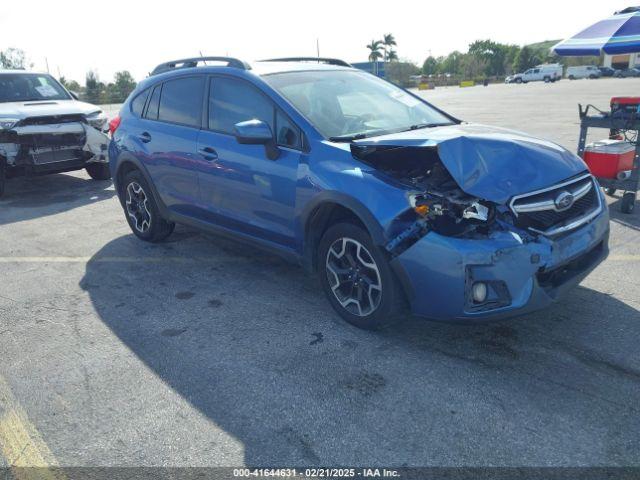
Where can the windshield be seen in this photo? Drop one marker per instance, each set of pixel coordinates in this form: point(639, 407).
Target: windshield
point(27, 87)
point(344, 105)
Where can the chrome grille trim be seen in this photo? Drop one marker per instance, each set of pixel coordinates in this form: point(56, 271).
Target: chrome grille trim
point(549, 205)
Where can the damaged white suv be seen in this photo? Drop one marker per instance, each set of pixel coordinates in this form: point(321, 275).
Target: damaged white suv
point(45, 129)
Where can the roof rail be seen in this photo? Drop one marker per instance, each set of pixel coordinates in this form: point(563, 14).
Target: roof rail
point(328, 61)
point(193, 62)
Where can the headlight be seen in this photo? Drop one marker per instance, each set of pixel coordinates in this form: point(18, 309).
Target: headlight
point(97, 120)
point(8, 123)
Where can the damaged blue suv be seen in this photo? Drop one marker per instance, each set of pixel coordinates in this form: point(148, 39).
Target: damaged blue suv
point(399, 207)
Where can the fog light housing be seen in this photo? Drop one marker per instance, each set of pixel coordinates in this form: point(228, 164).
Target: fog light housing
point(479, 292)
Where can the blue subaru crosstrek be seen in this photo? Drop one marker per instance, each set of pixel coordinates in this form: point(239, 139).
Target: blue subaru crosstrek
point(399, 207)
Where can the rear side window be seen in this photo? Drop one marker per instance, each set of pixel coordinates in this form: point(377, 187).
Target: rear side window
point(137, 105)
point(154, 101)
point(181, 101)
point(232, 101)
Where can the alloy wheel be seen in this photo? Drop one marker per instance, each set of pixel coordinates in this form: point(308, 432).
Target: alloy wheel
point(354, 277)
point(137, 204)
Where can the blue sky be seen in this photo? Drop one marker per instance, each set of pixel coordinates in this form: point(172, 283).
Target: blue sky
point(76, 36)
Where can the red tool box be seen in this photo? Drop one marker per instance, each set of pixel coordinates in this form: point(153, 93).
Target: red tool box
point(608, 158)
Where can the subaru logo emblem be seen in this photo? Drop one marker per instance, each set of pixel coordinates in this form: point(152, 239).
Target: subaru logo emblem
point(563, 201)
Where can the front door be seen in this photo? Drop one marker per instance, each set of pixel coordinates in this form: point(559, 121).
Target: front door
point(240, 188)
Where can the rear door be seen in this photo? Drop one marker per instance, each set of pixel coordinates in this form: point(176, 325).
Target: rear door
point(169, 133)
point(240, 187)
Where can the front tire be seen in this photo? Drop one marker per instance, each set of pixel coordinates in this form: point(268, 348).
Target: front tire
point(141, 209)
point(610, 191)
point(357, 278)
point(98, 171)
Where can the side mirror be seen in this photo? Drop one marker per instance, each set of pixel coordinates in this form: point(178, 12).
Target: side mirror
point(256, 132)
point(74, 95)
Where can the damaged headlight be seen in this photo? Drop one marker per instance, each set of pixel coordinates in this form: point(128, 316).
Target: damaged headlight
point(8, 123)
point(476, 211)
point(97, 120)
point(452, 213)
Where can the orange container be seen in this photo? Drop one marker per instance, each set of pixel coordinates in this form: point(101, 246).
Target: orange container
point(607, 158)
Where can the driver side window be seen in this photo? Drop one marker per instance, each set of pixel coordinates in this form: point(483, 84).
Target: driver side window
point(232, 101)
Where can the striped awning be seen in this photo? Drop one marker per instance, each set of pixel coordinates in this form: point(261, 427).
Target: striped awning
point(618, 34)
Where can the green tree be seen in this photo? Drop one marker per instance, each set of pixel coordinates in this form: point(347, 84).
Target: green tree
point(94, 89)
point(374, 50)
point(430, 66)
point(525, 59)
point(400, 73)
point(71, 85)
point(389, 41)
point(374, 53)
point(123, 85)
point(392, 56)
point(494, 56)
point(452, 63)
point(14, 58)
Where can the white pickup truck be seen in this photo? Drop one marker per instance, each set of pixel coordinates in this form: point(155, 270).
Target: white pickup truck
point(542, 73)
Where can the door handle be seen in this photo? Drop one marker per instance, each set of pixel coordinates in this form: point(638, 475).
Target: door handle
point(208, 153)
point(145, 137)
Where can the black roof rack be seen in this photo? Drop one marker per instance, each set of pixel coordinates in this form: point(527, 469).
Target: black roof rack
point(328, 61)
point(193, 62)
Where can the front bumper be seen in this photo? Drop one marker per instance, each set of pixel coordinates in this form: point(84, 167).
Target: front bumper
point(50, 148)
point(437, 271)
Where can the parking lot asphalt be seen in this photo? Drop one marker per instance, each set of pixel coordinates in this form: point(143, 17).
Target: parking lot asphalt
point(202, 351)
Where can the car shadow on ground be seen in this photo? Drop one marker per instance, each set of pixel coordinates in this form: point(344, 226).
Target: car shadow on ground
point(26, 198)
point(631, 220)
point(250, 341)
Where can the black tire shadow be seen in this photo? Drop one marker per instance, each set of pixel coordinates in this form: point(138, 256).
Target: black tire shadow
point(251, 342)
point(26, 198)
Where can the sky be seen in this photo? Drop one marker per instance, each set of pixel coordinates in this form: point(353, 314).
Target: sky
point(77, 36)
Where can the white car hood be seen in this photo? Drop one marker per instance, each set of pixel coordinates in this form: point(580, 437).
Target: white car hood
point(41, 108)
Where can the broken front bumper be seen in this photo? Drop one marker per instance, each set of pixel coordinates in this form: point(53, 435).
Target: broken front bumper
point(53, 147)
point(438, 272)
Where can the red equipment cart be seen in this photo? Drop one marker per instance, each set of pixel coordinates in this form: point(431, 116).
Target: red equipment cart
point(615, 163)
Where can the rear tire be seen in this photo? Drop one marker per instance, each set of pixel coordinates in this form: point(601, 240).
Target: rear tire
point(357, 278)
point(571, 77)
point(141, 209)
point(628, 202)
point(98, 171)
point(547, 79)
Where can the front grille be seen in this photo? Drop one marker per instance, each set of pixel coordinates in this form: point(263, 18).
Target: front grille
point(544, 211)
point(53, 119)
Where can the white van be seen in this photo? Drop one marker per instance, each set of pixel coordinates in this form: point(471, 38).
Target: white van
point(583, 71)
point(542, 73)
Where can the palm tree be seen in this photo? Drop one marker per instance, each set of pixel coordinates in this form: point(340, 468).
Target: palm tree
point(374, 53)
point(389, 41)
point(392, 56)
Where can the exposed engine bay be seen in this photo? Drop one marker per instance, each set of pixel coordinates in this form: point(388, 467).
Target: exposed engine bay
point(437, 204)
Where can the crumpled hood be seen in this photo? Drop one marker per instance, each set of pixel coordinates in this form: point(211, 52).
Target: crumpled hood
point(488, 162)
point(22, 110)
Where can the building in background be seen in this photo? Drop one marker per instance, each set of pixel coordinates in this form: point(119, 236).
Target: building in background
point(377, 68)
point(622, 61)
